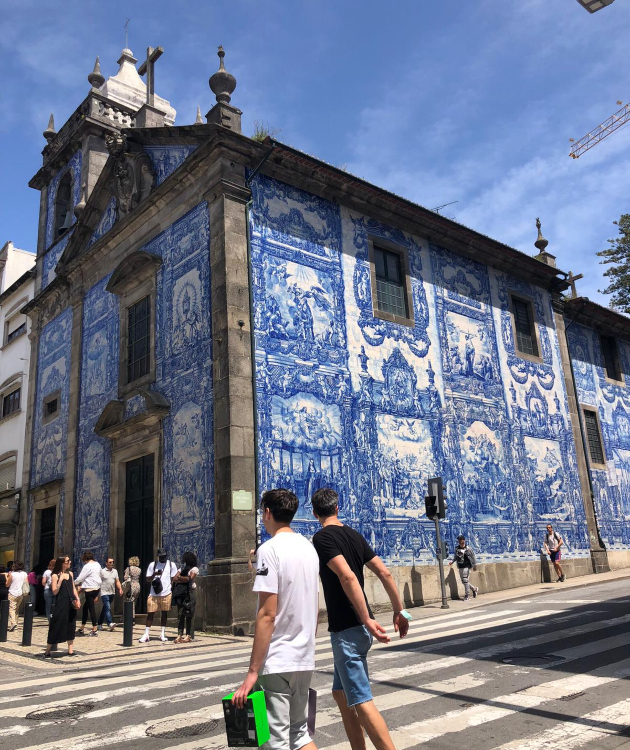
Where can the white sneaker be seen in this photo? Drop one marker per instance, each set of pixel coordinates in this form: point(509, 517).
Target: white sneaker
point(145, 638)
point(164, 639)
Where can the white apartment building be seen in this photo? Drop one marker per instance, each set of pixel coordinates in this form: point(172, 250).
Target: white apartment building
point(17, 282)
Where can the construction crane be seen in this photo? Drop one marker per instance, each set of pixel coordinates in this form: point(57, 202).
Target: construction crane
point(606, 128)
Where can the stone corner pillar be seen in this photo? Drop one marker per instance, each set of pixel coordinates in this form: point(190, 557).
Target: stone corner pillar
point(599, 555)
point(231, 606)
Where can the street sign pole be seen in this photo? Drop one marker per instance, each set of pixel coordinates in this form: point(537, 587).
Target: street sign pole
point(440, 558)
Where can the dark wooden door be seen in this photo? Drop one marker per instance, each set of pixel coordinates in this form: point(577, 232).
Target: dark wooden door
point(46, 553)
point(139, 501)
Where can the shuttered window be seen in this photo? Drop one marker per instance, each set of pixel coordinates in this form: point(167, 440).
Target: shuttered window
point(610, 357)
point(7, 474)
point(524, 325)
point(594, 437)
point(390, 283)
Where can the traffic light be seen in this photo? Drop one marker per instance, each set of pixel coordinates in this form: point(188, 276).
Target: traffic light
point(431, 505)
point(436, 490)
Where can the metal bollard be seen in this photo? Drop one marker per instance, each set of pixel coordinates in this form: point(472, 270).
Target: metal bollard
point(4, 620)
point(27, 625)
point(128, 622)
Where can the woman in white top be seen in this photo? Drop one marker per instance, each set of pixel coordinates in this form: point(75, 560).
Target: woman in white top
point(89, 581)
point(48, 594)
point(16, 593)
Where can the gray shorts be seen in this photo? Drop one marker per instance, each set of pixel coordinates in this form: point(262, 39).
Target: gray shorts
point(286, 696)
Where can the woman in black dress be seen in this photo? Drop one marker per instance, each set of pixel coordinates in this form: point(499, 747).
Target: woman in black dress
point(64, 618)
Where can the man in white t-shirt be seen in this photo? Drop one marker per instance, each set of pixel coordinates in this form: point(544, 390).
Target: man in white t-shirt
point(159, 599)
point(283, 654)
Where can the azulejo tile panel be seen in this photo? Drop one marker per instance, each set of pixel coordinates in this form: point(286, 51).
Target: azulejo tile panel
point(51, 258)
point(99, 385)
point(106, 222)
point(184, 377)
point(74, 167)
point(611, 486)
point(166, 159)
point(374, 409)
point(53, 370)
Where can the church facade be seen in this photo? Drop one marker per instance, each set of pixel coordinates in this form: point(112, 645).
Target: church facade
point(217, 316)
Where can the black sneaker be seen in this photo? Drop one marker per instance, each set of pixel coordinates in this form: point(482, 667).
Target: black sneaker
point(475, 593)
point(563, 578)
point(80, 633)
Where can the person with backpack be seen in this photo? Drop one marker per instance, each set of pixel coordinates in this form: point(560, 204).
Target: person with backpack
point(184, 591)
point(160, 575)
point(552, 544)
point(465, 559)
point(19, 588)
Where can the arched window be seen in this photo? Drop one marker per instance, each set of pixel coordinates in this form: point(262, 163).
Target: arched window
point(63, 205)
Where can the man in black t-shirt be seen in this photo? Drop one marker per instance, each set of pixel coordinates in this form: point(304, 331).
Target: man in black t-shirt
point(342, 554)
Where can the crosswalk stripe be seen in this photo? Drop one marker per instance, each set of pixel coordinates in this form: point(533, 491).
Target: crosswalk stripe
point(572, 734)
point(497, 708)
point(445, 663)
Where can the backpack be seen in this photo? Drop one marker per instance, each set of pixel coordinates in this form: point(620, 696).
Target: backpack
point(26, 587)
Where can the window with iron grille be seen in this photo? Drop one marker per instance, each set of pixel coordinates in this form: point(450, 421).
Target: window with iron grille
point(16, 332)
point(610, 357)
point(11, 402)
point(526, 342)
point(390, 283)
point(138, 339)
point(594, 437)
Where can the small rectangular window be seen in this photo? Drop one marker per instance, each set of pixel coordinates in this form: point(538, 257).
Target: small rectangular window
point(16, 332)
point(52, 407)
point(610, 356)
point(594, 437)
point(526, 342)
point(390, 283)
point(11, 402)
point(138, 339)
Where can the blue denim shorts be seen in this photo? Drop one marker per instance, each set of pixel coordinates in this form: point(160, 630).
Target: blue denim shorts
point(350, 648)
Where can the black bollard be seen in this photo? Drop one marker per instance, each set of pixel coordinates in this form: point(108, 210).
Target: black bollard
point(4, 620)
point(27, 625)
point(128, 622)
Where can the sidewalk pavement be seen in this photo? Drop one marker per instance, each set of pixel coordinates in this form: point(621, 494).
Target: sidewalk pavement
point(107, 647)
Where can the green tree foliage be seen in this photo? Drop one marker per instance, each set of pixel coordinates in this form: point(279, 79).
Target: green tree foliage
point(619, 272)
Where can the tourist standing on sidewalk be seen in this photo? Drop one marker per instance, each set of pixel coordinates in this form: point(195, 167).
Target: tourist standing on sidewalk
point(63, 622)
point(283, 654)
point(18, 588)
point(131, 581)
point(110, 584)
point(552, 544)
point(48, 594)
point(160, 575)
point(342, 554)
point(185, 596)
point(465, 559)
point(4, 583)
point(89, 581)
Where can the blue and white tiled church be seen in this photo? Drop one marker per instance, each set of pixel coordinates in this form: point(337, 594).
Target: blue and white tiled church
point(217, 316)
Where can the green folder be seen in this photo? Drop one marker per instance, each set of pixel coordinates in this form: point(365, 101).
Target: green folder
point(246, 727)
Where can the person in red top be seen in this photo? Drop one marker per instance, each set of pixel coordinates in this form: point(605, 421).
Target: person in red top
point(32, 582)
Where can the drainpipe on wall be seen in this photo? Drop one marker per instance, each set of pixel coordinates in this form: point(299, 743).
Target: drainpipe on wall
point(253, 339)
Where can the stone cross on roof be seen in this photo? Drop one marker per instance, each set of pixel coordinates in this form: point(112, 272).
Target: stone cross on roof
point(148, 67)
point(571, 279)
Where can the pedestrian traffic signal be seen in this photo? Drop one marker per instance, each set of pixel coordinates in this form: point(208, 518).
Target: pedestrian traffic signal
point(436, 489)
point(431, 505)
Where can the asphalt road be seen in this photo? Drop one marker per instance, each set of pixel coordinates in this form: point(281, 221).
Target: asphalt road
point(547, 672)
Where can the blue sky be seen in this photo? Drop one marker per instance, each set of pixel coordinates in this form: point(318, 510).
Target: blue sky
point(438, 100)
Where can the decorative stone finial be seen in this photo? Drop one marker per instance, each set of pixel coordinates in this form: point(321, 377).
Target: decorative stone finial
point(50, 131)
point(541, 243)
point(96, 78)
point(79, 208)
point(199, 120)
point(222, 83)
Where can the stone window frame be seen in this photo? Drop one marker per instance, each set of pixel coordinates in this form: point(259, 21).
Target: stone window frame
point(48, 418)
point(531, 303)
point(403, 253)
point(613, 381)
point(11, 384)
point(134, 279)
point(594, 410)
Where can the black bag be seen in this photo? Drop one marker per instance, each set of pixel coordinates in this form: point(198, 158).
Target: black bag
point(157, 584)
point(181, 591)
